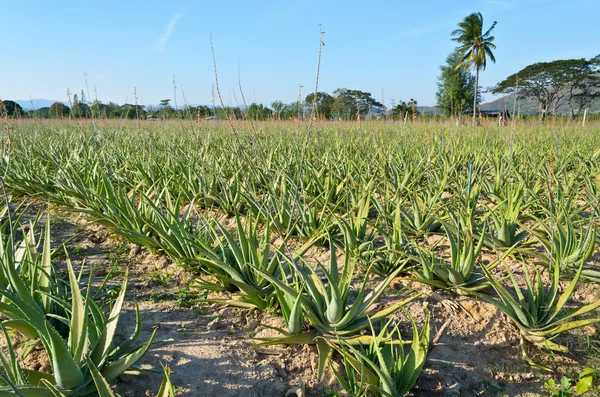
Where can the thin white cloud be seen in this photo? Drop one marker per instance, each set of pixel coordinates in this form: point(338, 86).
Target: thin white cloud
point(164, 37)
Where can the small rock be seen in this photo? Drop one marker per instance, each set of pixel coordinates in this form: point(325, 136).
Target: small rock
point(135, 250)
point(224, 311)
point(252, 325)
point(214, 324)
point(453, 391)
point(295, 391)
point(268, 371)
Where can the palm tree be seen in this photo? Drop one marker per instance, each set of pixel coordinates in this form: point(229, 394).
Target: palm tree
point(475, 46)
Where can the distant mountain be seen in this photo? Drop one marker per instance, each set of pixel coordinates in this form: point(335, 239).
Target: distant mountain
point(37, 103)
point(428, 109)
point(529, 106)
point(526, 106)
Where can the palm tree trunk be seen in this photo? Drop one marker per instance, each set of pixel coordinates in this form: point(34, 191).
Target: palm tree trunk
point(475, 96)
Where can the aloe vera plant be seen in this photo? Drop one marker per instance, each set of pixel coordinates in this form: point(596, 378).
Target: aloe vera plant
point(507, 217)
point(316, 220)
point(506, 234)
point(87, 341)
point(123, 210)
point(383, 367)
point(460, 275)
point(241, 264)
point(423, 216)
point(321, 182)
point(278, 207)
point(90, 340)
point(395, 250)
point(23, 259)
point(568, 246)
point(230, 194)
point(540, 312)
point(184, 240)
point(327, 305)
point(103, 389)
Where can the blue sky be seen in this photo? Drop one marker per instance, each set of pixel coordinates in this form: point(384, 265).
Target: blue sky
point(395, 45)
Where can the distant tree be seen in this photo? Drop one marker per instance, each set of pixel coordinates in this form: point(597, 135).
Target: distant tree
point(476, 47)
point(278, 107)
point(98, 109)
point(112, 110)
point(228, 112)
point(132, 112)
point(585, 84)
point(349, 104)
point(291, 110)
point(253, 111)
point(81, 110)
point(344, 104)
point(205, 111)
point(455, 87)
point(11, 108)
point(58, 110)
point(582, 96)
point(153, 111)
point(258, 112)
point(575, 80)
point(189, 111)
point(166, 111)
point(42, 113)
point(404, 108)
point(324, 104)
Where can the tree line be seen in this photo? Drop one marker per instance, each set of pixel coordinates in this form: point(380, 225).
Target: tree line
point(343, 103)
point(59, 110)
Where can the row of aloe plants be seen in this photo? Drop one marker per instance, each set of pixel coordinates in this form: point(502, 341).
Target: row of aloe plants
point(516, 215)
point(498, 204)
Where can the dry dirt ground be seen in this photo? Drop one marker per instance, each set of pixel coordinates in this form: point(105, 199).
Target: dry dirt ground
point(209, 346)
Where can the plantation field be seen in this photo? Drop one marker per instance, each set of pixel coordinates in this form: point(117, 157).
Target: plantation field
point(299, 258)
